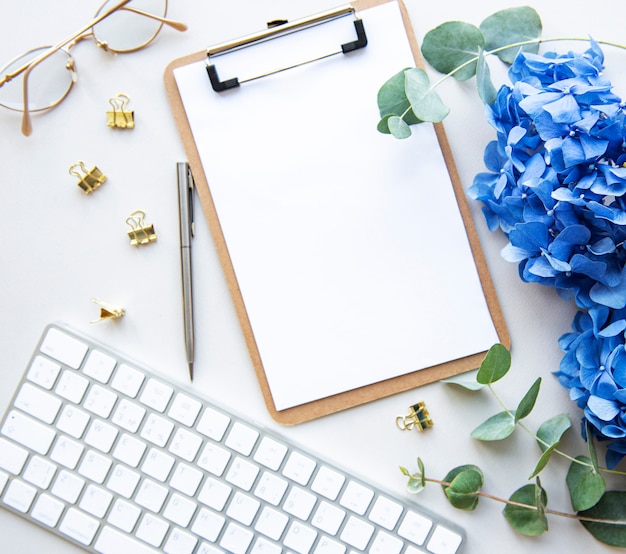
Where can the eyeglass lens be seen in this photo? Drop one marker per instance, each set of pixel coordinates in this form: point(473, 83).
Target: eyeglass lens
point(124, 30)
point(49, 81)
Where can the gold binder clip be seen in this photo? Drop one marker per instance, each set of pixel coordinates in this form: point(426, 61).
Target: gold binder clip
point(87, 180)
point(107, 311)
point(120, 117)
point(140, 233)
point(418, 418)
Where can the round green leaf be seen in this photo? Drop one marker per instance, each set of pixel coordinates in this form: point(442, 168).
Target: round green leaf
point(612, 506)
point(528, 521)
point(398, 127)
point(551, 432)
point(425, 102)
point(392, 100)
point(496, 365)
point(512, 26)
point(451, 45)
point(586, 486)
point(486, 91)
point(496, 428)
point(527, 403)
point(465, 484)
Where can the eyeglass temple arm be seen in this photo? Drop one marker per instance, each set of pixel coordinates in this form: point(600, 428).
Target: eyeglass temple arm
point(27, 127)
point(177, 25)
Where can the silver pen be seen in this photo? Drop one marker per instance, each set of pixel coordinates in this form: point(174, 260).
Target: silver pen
point(185, 206)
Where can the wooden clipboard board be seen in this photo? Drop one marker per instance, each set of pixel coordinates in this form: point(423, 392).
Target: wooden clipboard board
point(341, 401)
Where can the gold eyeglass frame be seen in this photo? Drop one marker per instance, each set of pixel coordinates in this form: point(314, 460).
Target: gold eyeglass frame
point(84, 32)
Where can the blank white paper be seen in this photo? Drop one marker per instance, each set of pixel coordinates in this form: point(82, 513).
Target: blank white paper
point(348, 245)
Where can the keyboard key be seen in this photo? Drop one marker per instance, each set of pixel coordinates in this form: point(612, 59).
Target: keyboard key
point(329, 546)
point(156, 395)
point(71, 386)
point(384, 543)
point(129, 450)
point(328, 518)
point(19, 495)
point(184, 409)
point(328, 482)
point(270, 488)
point(127, 380)
point(111, 541)
point(208, 525)
point(415, 527)
point(243, 508)
point(270, 453)
point(12, 457)
point(213, 424)
point(66, 452)
point(179, 510)
point(64, 348)
point(300, 537)
point(180, 542)
point(95, 466)
point(271, 523)
point(241, 438)
point(37, 403)
point(39, 472)
point(99, 366)
point(242, 473)
point(100, 401)
point(385, 512)
point(357, 533)
point(79, 526)
point(47, 510)
point(101, 435)
point(236, 539)
point(299, 468)
point(157, 430)
point(152, 530)
point(96, 501)
point(443, 541)
point(123, 481)
point(73, 421)
point(4, 479)
point(186, 479)
point(151, 495)
point(124, 515)
point(43, 372)
point(299, 503)
point(67, 486)
point(356, 497)
point(214, 494)
point(158, 464)
point(214, 458)
point(185, 444)
point(28, 432)
point(128, 415)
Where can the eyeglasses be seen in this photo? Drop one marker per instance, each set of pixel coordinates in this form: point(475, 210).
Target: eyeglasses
point(49, 72)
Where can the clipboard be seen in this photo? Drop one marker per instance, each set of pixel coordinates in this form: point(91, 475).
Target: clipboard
point(215, 199)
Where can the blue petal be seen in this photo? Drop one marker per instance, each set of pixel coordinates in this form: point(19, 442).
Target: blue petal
point(564, 110)
point(613, 297)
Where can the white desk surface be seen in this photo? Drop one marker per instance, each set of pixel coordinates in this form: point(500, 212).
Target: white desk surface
point(60, 248)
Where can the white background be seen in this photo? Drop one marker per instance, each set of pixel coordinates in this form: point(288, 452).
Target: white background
point(60, 248)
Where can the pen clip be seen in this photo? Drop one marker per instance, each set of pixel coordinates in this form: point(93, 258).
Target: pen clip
point(190, 200)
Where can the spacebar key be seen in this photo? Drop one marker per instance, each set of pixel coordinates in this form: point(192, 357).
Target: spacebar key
point(111, 541)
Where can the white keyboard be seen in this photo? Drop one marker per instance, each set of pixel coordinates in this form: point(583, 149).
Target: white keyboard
point(120, 460)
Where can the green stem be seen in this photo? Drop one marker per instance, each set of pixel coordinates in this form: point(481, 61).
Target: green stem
point(518, 45)
point(531, 507)
point(544, 443)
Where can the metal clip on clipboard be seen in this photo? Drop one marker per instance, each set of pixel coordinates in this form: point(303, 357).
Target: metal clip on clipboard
point(280, 29)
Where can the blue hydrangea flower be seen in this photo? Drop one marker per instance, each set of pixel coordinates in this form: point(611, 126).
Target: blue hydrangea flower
point(555, 185)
